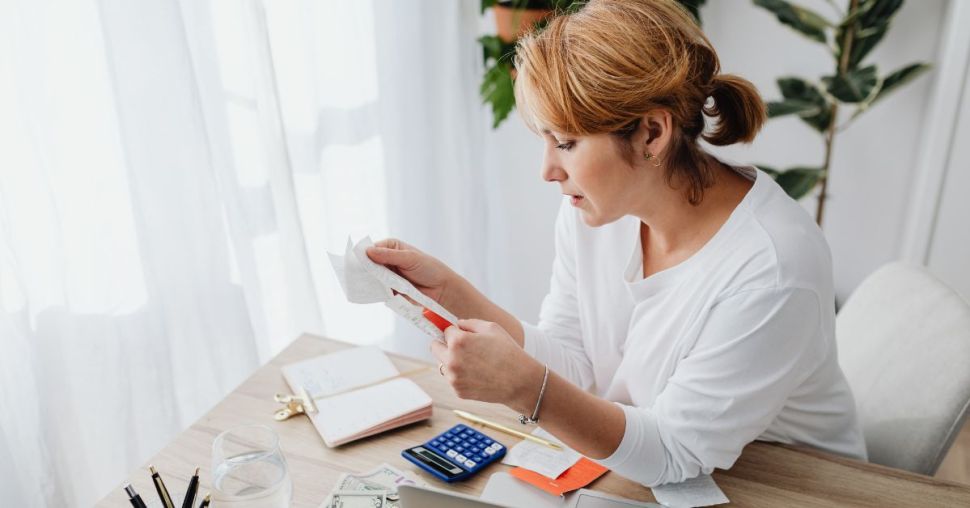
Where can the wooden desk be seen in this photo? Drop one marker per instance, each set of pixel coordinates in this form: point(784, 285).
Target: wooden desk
point(765, 475)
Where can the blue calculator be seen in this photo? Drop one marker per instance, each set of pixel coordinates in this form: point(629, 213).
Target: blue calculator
point(456, 454)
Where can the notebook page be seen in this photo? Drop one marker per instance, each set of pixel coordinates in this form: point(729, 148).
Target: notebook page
point(343, 416)
point(338, 371)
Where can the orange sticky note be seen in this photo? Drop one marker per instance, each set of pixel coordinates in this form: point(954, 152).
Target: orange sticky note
point(581, 474)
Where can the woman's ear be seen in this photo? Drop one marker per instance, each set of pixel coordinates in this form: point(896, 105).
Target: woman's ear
point(655, 132)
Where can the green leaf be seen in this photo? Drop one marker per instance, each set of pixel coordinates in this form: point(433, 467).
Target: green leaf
point(853, 86)
point(792, 106)
point(771, 171)
point(497, 90)
point(798, 181)
point(487, 4)
point(869, 22)
point(494, 48)
point(875, 12)
point(797, 89)
point(805, 21)
point(899, 78)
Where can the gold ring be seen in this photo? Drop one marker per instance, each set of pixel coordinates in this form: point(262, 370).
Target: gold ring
point(441, 369)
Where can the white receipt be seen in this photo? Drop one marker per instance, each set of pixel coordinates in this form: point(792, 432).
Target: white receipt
point(700, 491)
point(365, 281)
point(540, 458)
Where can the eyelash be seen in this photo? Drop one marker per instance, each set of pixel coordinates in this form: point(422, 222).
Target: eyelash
point(566, 146)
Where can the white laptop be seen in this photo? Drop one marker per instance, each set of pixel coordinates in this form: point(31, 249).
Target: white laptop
point(413, 496)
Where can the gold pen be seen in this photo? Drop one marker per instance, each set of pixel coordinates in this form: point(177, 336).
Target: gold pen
point(502, 428)
point(160, 487)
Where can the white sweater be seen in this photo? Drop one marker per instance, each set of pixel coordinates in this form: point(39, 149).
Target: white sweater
point(734, 344)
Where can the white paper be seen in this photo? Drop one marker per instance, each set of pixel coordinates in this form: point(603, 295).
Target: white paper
point(541, 458)
point(364, 281)
point(700, 491)
point(341, 416)
point(585, 498)
point(507, 490)
point(346, 415)
point(339, 371)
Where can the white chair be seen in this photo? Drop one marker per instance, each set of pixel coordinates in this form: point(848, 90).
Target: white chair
point(904, 344)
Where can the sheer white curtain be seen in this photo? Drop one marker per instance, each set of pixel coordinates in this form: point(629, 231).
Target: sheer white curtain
point(171, 173)
point(383, 123)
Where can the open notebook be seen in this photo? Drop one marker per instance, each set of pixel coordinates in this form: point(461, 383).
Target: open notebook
point(351, 400)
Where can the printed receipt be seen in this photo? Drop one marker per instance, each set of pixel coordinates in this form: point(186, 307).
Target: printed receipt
point(699, 491)
point(540, 458)
point(364, 281)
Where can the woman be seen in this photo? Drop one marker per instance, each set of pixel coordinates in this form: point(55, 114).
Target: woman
point(691, 307)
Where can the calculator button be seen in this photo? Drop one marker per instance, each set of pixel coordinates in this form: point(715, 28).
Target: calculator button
point(497, 446)
point(449, 435)
point(476, 449)
point(488, 441)
point(470, 464)
point(451, 453)
point(477, 458)
point(460, 448)
point(461, 458)
point(488, 452)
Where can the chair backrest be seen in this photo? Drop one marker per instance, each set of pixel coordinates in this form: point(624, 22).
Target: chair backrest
point(904, 345)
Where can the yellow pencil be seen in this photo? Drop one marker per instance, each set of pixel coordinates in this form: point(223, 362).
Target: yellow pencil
point(502, 428)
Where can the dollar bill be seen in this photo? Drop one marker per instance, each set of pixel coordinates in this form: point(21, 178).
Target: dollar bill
point(376, 488)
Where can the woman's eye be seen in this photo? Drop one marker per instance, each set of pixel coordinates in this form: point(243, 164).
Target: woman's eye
point(566, 146)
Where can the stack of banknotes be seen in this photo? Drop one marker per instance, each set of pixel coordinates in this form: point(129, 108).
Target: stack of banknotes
point(373, 489)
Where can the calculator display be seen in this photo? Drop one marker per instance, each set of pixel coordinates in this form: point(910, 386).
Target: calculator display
point(435, 461)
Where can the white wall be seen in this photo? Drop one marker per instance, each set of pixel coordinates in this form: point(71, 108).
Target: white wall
point(872, 172)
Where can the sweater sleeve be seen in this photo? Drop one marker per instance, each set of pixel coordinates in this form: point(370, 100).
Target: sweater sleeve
point(557, 339)
point(754, 348)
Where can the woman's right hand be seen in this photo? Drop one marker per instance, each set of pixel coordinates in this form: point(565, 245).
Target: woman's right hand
point(428, 274)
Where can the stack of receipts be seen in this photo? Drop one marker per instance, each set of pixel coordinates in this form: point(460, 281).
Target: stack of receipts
point(552, 464)
point(365, 281)
point(357, 392)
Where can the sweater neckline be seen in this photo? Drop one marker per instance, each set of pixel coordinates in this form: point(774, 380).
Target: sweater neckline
point(644, 287)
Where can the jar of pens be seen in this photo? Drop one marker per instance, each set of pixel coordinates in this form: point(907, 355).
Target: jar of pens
point(249, 471)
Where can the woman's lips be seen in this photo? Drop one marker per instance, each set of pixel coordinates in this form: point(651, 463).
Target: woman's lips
point(575, 200)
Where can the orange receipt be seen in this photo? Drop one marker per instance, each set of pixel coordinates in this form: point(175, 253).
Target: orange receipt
point(581, 474)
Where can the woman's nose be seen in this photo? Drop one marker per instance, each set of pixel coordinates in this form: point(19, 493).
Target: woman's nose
point(552, 172)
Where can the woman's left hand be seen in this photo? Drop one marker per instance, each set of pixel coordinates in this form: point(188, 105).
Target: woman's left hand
point(481, 361)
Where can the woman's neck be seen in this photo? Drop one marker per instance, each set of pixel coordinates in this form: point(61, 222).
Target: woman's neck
point(675, 228)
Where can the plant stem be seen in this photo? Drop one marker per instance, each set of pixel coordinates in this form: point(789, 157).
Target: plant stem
point(843, 63)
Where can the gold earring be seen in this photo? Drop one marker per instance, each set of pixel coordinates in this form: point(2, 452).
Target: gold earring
point(650, 156)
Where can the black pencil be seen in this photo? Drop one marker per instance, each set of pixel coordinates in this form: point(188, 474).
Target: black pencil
point(205, 501)
point(160, 487)
point(192, 491)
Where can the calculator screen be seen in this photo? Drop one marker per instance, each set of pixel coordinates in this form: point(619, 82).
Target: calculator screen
point(435, 461)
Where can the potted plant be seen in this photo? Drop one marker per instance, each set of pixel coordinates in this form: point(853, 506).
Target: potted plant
point(851, 37)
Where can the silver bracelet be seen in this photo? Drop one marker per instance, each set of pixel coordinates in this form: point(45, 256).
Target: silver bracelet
point(523, 419)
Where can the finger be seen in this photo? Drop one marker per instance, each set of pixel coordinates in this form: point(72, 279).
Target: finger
point(452, 333)
point(394, 243)
point(439, 350)
point(475, 325)
point(392, 257)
